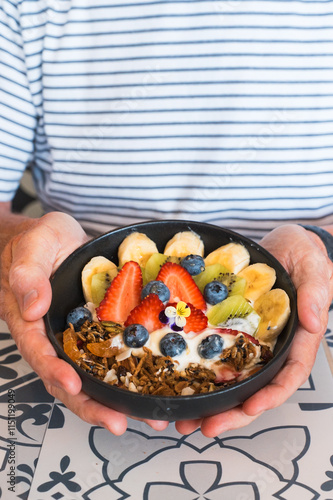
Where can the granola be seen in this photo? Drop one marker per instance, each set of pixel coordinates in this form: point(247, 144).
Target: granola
point(91, 348)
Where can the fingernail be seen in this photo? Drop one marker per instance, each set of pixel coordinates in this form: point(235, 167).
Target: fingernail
point(29, 299)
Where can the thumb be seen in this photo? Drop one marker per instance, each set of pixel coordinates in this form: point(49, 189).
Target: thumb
point(312, 281)
point(35, 255)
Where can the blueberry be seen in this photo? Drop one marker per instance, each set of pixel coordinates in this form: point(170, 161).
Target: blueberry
point(215, 292)
point(78, 316)
point(172, 344)
point(194, 264)
point(210, 346)
point(135, 335)
point(157, 287)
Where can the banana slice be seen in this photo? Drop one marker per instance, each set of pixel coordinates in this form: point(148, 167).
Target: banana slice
point(259, 279)
point(96, 265)
point(137, 247)
point(233, 256)
point(274, 309)
point(184, 243)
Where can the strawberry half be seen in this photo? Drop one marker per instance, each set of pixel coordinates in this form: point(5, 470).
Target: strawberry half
point(196, 322)
point(225, 374)
point(147, 313)
point(181, 285)
point(229, 331)
point(122, 295)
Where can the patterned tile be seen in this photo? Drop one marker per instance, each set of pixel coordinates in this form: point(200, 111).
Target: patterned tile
point(318, 389)
point(22, 430)
point(16, 373)
point(271, 457)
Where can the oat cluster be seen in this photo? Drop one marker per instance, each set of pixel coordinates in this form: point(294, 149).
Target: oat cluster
point(240, 354)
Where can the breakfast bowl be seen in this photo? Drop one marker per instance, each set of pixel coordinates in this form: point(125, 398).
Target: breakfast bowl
point(67, 295)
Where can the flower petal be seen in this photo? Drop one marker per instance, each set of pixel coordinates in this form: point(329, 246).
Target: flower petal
point(170, 312)
point(183, 309)
point(187, 312)
point(180, 321)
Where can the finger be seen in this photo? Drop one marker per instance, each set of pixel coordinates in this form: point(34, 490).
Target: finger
point(226, 421)
point(310, 270)
point(278, 391)
point(33, 257)
point(39, 353)
point(157, 425)
point(294, 374)
point(91, 411)
point(312, 280)
point(32, 342)
point(29, 283)
point(188, 426)
point(60, 379)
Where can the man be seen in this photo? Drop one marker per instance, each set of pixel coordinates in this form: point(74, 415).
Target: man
point(207, 110)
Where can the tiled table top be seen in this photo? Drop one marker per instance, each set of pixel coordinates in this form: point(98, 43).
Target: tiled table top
point(287, 453)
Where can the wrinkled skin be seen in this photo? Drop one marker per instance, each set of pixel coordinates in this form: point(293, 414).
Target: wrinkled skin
point(30, 258)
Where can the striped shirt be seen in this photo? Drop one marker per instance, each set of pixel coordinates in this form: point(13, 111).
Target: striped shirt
point(217, 111)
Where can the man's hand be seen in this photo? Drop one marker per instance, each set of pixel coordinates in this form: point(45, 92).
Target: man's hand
point(28, 261)
point(305, 258)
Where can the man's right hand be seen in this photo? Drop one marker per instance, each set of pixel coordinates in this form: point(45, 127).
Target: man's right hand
point(27, 262)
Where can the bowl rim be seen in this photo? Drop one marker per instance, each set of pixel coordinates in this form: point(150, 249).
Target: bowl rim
point(192, 397)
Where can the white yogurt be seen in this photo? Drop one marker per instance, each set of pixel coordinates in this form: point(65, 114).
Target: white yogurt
point(190, 354)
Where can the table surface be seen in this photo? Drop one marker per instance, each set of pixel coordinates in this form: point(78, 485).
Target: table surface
point(287, 453)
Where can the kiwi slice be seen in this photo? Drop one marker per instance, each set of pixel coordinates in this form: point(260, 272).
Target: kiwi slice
point(154, 264)
point(152, 267)
point(100, 282)
point(235, 284)
point(232, 307)
point(174, 259)
point(210, 273)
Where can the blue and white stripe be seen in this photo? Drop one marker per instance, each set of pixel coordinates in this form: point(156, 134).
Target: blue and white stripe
point(220, 111)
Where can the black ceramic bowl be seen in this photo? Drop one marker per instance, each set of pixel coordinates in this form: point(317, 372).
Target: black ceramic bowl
point(67, 294)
